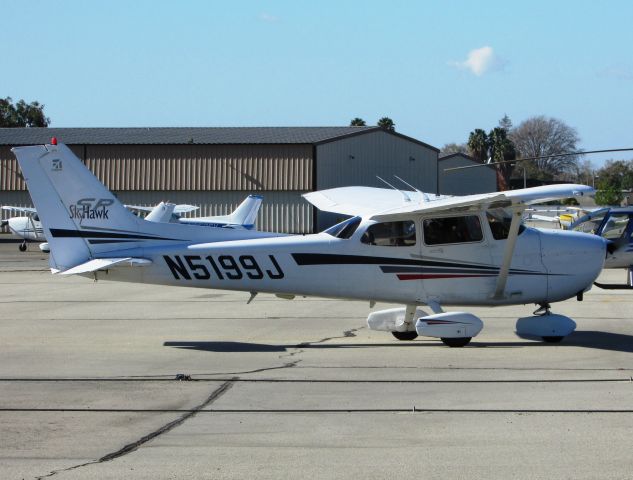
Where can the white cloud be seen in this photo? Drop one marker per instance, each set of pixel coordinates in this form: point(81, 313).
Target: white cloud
point(480, 61)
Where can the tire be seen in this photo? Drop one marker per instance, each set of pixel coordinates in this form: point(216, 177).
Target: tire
point(22, 247)
point(456, 342)
point(405, 336)
point(553, 339)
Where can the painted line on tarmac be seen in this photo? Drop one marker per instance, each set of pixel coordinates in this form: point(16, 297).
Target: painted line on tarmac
point(189, 412)
point(628, 379)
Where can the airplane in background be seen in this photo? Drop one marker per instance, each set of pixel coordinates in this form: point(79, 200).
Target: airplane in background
point(244, 216)
point(615, 224)
point(398, 247)
point(29, 227)
point(564, 217)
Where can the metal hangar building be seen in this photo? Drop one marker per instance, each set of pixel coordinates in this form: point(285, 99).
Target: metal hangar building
point(216, 168)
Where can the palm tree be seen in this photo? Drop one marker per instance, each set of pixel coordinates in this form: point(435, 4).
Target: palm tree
point(387, 124)
point(357, 122)
point(478, 145)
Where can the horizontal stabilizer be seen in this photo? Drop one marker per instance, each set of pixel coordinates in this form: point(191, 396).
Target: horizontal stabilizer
point(105, 263)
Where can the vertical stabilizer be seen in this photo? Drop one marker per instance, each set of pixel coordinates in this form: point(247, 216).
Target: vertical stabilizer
point(246, 212)
point(75, 208)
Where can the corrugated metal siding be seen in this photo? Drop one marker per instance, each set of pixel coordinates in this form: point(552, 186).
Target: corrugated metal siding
point(284, 212)
point(202, 167)
point(357, 161)
point(466, 182)
point(9, 176)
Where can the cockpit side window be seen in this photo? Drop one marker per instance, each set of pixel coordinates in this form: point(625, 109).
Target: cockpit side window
point(390, 234)
point(440, 231)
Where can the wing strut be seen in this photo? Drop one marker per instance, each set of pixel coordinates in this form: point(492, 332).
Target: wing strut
point(511, 241)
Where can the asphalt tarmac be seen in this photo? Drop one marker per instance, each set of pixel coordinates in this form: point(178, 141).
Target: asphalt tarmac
point(284, 389)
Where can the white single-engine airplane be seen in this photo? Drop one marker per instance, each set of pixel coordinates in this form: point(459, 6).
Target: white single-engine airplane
point(29, 227)
point(399, 247)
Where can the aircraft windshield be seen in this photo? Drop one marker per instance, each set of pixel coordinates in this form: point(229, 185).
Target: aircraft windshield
point(499, 220)
point(344, 229)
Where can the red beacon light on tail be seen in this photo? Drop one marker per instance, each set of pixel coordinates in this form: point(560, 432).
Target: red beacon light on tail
point(54, 141)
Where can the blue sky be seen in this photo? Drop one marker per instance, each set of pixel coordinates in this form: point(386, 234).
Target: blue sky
point(438, 69)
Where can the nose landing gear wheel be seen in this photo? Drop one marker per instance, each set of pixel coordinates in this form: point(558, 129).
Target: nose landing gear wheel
point(22, 247)
point(405, 335)
point(456, 342)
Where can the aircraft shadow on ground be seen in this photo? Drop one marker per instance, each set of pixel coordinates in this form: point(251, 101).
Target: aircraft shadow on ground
point(615, 342)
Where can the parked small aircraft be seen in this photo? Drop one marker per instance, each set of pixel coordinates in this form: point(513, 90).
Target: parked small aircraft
point(29, 227)
point(399, 247)
point(615, 225)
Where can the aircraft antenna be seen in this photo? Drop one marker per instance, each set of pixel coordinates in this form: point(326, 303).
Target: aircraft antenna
point(406, 197)
point(423, 196)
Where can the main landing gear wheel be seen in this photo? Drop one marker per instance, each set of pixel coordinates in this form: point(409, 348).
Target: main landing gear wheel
point(553, 339)
point(456, 342)
point(405, 335)
point(22, 247)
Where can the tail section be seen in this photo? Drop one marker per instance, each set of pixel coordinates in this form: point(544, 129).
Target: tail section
point(161, 212)
point(243, 217)
point(246, 213)
point(75, 208)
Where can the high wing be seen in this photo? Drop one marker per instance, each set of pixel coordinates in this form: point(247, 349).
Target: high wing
point(19, 209)
point(384, 204)
point(361, 201)
point(522, 197)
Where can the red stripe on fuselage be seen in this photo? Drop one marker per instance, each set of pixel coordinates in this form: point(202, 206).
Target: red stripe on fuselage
point(431, 276)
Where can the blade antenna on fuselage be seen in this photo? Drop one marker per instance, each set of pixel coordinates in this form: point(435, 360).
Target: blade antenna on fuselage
point(406, 197)
point(423, 196)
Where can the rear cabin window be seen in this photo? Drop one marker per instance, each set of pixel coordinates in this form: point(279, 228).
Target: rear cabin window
point(390, 234)
point(440, 231)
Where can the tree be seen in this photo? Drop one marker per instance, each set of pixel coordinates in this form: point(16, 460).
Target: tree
point(613, 179)
point(505, 123)
point(387, 124)
point(357, 122)
point(22, 114)
point(501, 149)
point(478, 145)
point(546, 137)
point(451, 148)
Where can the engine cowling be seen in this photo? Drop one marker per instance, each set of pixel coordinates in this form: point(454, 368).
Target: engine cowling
point(449, 325)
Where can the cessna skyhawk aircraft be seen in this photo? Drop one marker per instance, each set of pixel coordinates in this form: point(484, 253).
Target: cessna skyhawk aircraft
point(399, 247)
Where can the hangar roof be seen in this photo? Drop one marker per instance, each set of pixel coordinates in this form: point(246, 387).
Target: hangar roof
point(185, 135)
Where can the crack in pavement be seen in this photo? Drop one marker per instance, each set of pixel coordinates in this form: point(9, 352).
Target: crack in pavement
point(130, 447)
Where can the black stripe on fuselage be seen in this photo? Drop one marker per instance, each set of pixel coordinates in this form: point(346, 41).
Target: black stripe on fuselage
point(63, 233)
point(388, 264)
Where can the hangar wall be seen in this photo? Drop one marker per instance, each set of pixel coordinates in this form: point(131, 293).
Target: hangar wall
point(465, 182)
